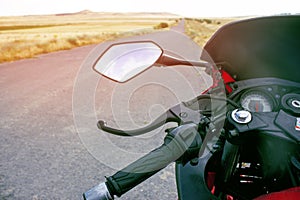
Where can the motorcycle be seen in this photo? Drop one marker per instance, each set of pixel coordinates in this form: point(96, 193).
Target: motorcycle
point(237, 140)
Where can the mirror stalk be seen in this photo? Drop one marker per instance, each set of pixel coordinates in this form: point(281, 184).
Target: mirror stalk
point(168, 60)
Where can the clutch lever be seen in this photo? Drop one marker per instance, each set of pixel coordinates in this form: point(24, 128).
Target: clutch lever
point(180, 114)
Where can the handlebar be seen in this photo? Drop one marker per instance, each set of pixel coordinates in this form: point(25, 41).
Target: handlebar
point(176, 143)
point(183, 143)
point(99, 192)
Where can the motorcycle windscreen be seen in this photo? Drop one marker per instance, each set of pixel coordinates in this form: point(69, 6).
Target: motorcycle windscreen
point(258, 47)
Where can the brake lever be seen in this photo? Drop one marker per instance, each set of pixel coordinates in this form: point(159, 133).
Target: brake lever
point(180, 114)
point(161, 120)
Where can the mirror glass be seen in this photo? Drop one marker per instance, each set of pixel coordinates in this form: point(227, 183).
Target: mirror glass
point(120, 62)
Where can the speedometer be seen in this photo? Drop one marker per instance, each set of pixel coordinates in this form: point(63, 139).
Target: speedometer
point(257, 101)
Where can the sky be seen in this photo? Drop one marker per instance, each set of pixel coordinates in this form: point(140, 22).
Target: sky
point(186, 8)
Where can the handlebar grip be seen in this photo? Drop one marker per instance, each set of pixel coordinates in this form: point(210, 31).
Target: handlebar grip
point(174, 146)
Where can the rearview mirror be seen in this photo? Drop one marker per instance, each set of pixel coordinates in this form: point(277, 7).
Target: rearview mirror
point(122, 61)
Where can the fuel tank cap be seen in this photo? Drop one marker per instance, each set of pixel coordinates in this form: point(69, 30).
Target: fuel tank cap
point(241, 116)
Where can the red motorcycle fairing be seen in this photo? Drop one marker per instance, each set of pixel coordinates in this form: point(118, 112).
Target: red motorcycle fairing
point(227, 79)
point(290, 194)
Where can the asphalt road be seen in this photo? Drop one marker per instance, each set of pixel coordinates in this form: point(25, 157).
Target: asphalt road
point(50, 147)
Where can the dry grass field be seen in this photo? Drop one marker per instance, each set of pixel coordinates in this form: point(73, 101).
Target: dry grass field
point(200, 30)
point(28, 36)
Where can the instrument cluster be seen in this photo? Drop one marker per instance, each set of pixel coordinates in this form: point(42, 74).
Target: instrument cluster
point(257, 101)
point(269, 98)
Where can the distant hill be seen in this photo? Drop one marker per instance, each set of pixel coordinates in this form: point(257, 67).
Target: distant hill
point(124, 14)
